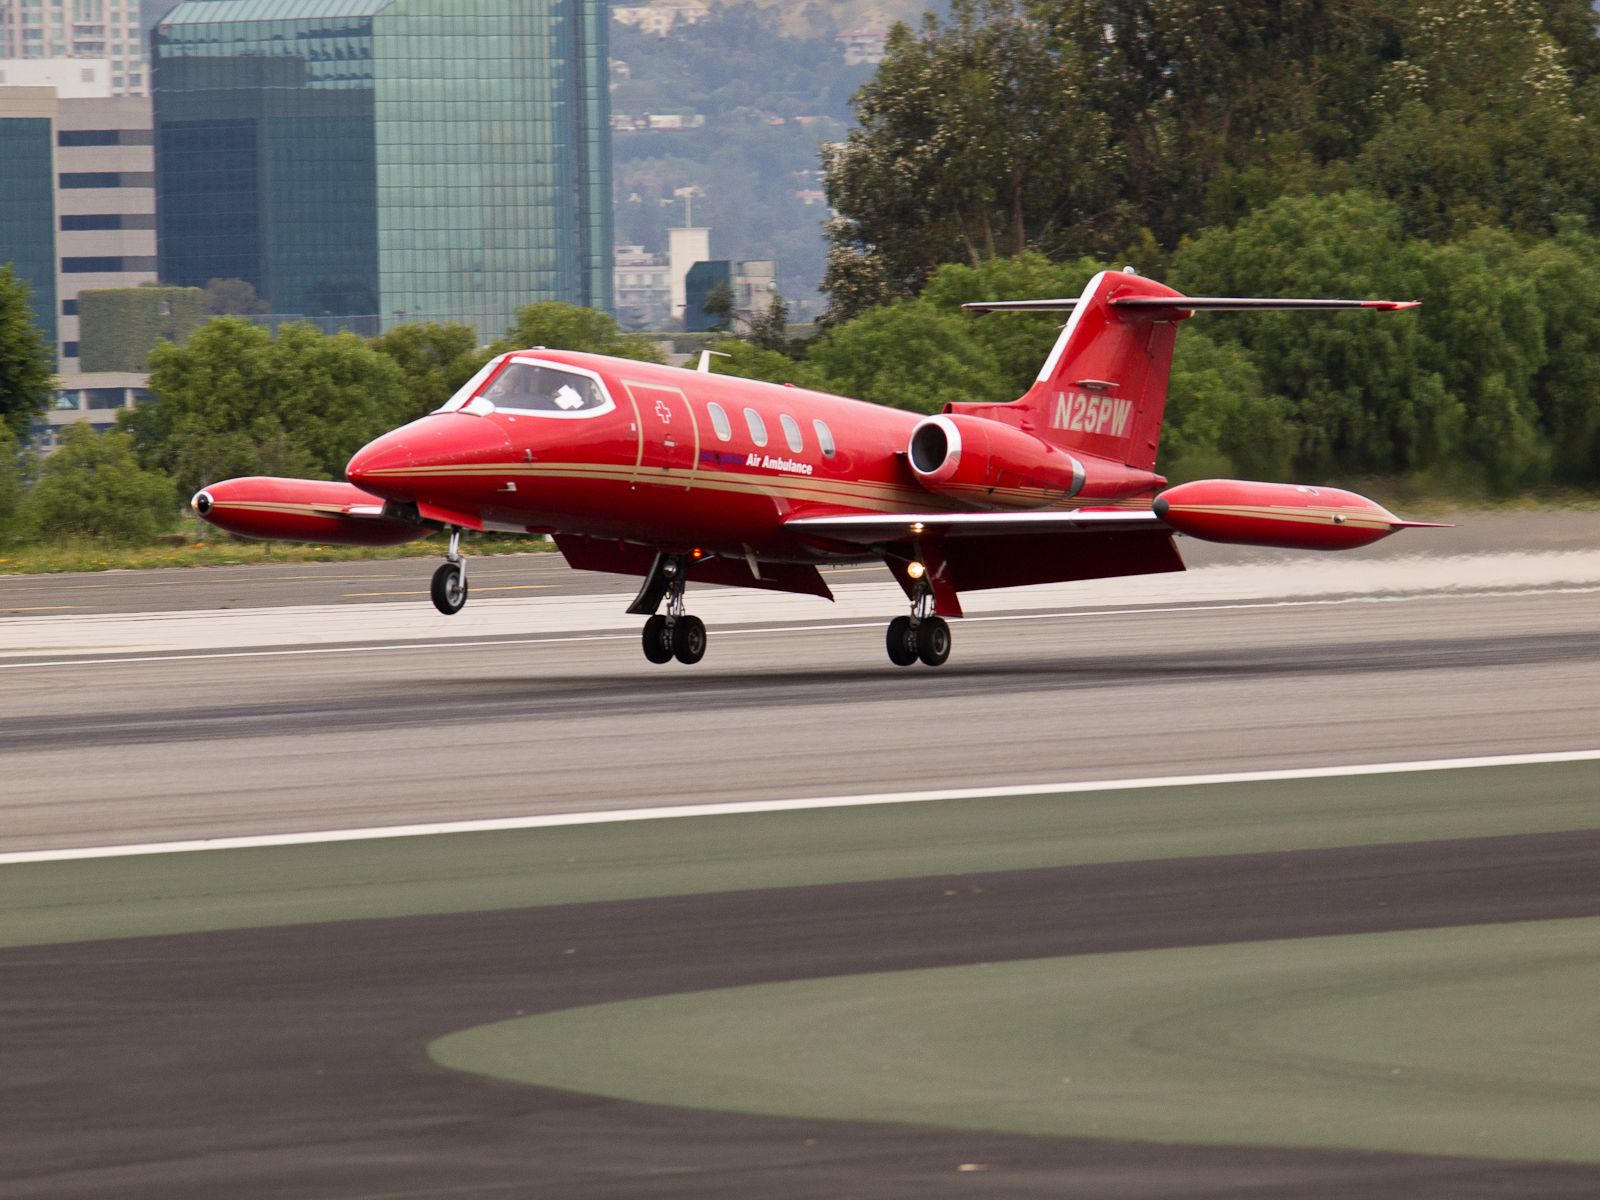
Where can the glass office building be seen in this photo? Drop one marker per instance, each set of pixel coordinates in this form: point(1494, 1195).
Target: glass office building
point(27, 207)
point(416, 159)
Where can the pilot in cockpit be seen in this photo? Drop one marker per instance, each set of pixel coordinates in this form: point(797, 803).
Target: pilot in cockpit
point(527, 386)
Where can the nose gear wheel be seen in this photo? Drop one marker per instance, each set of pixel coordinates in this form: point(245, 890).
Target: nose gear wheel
point(449, 589)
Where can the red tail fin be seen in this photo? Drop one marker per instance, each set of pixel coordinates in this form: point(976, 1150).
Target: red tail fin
point(1103, 390)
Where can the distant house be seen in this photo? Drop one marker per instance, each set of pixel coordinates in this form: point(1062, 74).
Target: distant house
point(862, 46)
point(659, 19)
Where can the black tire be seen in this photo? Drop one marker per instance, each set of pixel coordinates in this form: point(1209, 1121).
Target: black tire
point(933, 641)
point(449, 589)
point(657, 640)
point(689, 640)
point(902, 642)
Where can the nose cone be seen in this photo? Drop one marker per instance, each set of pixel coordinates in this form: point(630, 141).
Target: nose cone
point(420, 459)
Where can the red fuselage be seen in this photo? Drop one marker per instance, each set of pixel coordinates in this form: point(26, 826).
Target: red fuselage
point(679, 458)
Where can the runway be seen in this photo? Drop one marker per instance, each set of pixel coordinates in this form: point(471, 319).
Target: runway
point(257, 1061)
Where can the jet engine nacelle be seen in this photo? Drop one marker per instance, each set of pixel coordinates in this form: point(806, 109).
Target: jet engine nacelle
point(985, 462)
point(1287, 515)
point(302, 510)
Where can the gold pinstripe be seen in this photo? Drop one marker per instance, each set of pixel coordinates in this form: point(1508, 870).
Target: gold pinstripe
point(865, 494)
point(1300, 515)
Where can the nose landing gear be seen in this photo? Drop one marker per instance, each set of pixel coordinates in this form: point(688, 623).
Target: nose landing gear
point(674, 634)
point(922, 635)
point(449, 590)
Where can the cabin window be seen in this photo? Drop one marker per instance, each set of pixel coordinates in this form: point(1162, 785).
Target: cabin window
point(719, 422)
point(824, 438)
point(758, 427)
point(791, 432)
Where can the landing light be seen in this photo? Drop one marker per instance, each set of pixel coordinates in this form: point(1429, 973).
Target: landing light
point(916, 570)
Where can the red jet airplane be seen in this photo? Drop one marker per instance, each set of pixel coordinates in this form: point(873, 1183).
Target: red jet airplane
point(675, 475)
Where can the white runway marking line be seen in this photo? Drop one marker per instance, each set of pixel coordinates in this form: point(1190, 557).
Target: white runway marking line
point(752, 631)
point(611, 816)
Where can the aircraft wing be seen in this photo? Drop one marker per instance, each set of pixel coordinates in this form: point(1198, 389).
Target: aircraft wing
point(970, 551)
point(870, 529)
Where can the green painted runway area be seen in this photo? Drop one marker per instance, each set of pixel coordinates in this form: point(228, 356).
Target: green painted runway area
point(79, 900)
point(1473, 1041)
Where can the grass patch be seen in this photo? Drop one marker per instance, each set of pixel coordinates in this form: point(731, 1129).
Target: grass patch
point(222, 550)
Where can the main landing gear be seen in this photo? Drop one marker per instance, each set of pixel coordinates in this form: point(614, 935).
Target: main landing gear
point(922, 635)
point(673, 634)
point(449, 589)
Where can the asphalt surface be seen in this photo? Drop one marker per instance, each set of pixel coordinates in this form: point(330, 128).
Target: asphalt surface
point(135, 750)
point(289, 1062)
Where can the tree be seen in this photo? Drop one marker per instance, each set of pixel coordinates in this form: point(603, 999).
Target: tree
point(750, 361)
point(93, 487)
point(25, 375)
point(568, 327)
point(1484, 125)
point(718, 305)
point(975, 141)
point(434, 360)
point(236, 400)
point(232, 298)
point(13, 470)
point(909, 355)
point(770, 329)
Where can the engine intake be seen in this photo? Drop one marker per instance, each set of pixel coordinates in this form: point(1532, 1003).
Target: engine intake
point(985, 463)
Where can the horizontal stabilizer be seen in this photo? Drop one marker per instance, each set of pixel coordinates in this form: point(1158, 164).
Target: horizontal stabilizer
point(1194, 304)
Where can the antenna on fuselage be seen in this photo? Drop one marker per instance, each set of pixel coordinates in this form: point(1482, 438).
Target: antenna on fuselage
point(705, 360)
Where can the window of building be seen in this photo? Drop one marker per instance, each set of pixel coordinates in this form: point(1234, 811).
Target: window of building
point(69, 308)
point(69, 349)
point(719, 421)
point(102, 398)
point(824, 438)
point(758, 427)
point(791, 432)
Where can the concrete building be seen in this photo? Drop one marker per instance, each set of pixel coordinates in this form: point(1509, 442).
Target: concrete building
point(642, 289)
point(410, 159)
point(78, 206)
point(76, 29)
point(71, 78)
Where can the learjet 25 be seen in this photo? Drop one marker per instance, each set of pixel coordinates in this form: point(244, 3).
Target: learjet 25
point(683, 475)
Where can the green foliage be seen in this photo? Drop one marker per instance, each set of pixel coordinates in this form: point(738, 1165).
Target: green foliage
point(1564, 273)
point(1448, 388)
point(569, 327)
point(232, 298)
point(909, 355)
point(718, 305)
point(975, 140)
point(234, 400)
point(118, 327)
point(13, 470)
point(92, 487)
point(770, 329)
point(1220, 421)
point(1018, 343)
point(750, 361)
point(25, 376)
point(434, 360)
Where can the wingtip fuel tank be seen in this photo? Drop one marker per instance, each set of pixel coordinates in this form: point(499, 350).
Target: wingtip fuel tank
point(302, 510)
point(1286, 515)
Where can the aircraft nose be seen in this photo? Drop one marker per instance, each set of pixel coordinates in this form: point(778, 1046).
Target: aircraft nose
point(416, 456)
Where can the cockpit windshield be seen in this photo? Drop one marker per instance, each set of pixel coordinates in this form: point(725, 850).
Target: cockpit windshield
point(535, 387)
